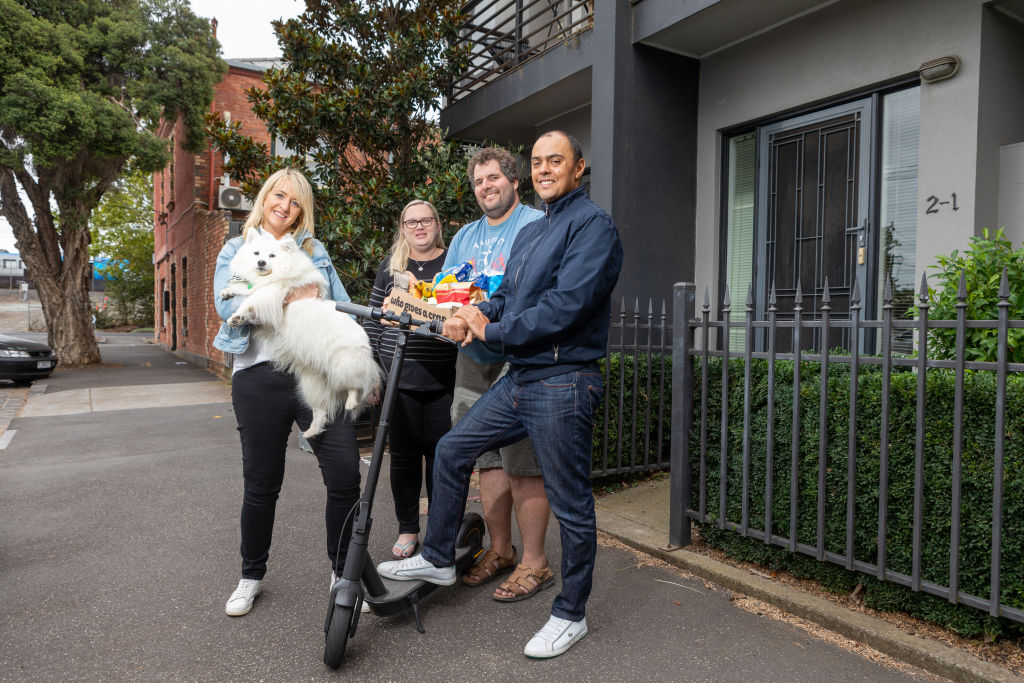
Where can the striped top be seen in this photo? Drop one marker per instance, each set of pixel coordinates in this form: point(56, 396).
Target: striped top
point(429, 364)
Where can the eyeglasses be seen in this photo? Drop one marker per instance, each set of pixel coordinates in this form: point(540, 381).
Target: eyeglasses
point(411, 223)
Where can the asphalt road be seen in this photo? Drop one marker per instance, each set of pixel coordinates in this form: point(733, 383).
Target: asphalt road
point(118, 549)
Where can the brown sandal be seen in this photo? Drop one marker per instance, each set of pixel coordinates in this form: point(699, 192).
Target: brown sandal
point(521, 586)
point(489, 567)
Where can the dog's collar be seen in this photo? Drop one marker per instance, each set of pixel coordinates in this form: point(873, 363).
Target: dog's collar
point(235, 278)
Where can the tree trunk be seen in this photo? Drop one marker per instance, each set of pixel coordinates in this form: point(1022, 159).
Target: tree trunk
point(64, 294)
point(62, 283)
point(69, 324)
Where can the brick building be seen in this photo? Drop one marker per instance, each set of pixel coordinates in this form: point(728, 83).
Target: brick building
point(193, 216)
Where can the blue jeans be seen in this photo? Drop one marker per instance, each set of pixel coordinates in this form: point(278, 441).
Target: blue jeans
point(557, 414)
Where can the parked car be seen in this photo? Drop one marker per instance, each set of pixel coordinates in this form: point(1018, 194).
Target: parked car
point(23, 361)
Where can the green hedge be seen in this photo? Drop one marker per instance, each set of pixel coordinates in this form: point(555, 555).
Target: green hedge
point(633, 430)
point(977, 478)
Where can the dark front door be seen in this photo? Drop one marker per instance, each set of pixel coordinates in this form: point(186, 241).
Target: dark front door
point(174, 310)
point(813, 206)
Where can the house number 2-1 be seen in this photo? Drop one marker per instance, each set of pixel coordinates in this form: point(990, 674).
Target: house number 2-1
point(934, 203)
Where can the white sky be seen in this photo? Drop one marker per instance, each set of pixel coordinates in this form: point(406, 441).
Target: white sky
point(243, 29)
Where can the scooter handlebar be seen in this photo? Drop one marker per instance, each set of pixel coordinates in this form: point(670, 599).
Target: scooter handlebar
point(424, 328)
point(359, 311)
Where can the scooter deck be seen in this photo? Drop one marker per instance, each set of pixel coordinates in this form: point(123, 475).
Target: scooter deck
point(400, 594)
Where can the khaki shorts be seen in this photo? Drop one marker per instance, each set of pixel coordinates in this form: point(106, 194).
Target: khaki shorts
point(472, 379)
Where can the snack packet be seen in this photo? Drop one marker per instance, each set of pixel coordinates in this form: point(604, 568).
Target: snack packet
point(492, 284)
point(454, 292)
point(456, 273)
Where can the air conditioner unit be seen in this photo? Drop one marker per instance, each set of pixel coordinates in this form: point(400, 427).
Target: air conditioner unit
point(232, 198)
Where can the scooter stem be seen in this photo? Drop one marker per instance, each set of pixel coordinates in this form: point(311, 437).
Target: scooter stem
point(361, 526)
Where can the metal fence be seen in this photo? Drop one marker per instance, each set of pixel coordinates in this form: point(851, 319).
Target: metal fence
point(633, 426)
point(715, 442)
point(503, 34)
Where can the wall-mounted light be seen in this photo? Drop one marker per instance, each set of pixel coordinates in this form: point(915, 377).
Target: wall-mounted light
point(939, 69)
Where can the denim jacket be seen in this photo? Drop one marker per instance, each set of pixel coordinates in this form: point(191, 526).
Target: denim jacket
point(236, 339)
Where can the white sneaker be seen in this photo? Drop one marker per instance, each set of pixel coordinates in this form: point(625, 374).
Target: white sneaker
point(241, 600)
point(365, 609)
point(416, 567)
point(557, 636)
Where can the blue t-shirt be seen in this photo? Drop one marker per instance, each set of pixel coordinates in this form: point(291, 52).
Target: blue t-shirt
point(487, 247)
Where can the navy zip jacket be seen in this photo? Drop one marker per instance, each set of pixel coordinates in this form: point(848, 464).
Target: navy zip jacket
point(551, 312)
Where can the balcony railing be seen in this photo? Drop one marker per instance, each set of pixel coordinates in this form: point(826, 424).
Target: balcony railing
point(504, 34)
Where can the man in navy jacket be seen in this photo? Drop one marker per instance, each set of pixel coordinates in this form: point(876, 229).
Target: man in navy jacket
point(550, 315)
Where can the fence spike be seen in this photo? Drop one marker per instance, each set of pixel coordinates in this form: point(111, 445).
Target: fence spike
point(636, 307)
point(961, 290)
point(855, 294)
point(826, 297)
point(772, 300)
point(798, 298)
point(887, 295)
point(622, 307)
point(707, 299)
point(650, 308)
point(1004, 286)
point(750, 296)
point(923, 294)
point(664, 311)
point(726, 302)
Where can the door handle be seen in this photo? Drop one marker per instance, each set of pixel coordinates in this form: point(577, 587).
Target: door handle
point(862, 252)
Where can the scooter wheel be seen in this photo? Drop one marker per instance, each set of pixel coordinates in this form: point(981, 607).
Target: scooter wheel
point(472, 531)
point(337, 636)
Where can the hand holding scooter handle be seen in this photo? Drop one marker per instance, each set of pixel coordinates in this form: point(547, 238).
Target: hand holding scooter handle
point(432, 330)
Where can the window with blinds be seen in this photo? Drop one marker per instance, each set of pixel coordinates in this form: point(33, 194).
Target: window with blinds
point(740, 227)
point(898, 204)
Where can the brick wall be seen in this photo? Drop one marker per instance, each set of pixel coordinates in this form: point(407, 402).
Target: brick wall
point(187, 275)
point(189, 230)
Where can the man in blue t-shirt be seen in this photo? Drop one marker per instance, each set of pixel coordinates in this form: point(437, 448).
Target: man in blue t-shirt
point(510, 474)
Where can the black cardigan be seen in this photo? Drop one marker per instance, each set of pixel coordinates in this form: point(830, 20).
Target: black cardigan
point(429, 364)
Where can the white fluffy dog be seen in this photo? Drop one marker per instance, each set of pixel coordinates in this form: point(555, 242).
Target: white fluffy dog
point(327, 351)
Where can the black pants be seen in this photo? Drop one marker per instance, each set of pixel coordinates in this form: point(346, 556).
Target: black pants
point(420, 419)
point(266, 404)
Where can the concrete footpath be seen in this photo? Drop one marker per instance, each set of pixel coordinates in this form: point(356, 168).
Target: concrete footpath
point(120, 488)
point(639, 517)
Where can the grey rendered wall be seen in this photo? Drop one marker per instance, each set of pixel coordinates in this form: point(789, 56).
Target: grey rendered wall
point(1001, 117)
point(576, 123)
point(846, 47)
point(643, 152)
point(1011, 191)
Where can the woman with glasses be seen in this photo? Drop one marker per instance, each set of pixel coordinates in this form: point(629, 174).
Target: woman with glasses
point(422, 412)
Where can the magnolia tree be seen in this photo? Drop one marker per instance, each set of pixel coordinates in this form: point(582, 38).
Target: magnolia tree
point(82, 87)
point(357, 102)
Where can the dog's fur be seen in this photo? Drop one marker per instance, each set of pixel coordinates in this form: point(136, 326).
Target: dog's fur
point(327, 351)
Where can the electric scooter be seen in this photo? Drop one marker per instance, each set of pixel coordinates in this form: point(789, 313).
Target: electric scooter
point(359, 581)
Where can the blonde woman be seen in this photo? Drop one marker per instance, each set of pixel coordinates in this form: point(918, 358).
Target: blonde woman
point(423, 405)
point(266, 401)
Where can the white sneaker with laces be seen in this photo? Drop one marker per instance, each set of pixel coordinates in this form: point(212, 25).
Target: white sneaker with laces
point(557, 636)
point(365, 609)
point(416, 567)
point(241, 600)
